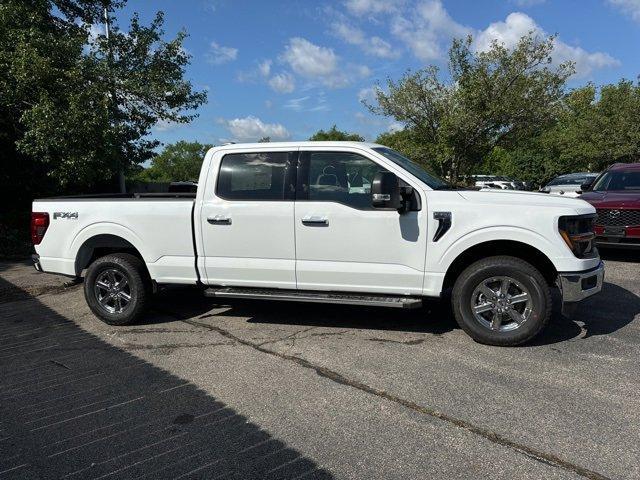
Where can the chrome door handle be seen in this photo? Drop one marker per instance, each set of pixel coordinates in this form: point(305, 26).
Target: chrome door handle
point(315, 220)
point(219, 220)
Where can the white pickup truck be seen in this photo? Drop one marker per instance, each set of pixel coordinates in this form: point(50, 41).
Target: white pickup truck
point(341, 222)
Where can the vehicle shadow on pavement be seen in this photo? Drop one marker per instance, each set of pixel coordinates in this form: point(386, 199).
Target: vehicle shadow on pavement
point(434, 317)
point(603, 314)
point(72, 405)
point(594, 316)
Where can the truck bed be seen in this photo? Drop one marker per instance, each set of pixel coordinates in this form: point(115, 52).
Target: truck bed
point(159, 226)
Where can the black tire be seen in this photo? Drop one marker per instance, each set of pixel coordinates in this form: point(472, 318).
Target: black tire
point(138, 288)
point(469, 288)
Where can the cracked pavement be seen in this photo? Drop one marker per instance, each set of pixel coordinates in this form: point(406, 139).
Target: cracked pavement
point(255, 389)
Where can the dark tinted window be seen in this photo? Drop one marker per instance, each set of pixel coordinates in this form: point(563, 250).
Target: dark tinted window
point(340, 177)
point(253, 176)
point(618, 180)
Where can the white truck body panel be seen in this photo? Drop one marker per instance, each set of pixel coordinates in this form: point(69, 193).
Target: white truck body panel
point(266, 244)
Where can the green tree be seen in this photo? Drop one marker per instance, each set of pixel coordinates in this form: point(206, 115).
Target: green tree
point(336, 135)
point(496, 97)
point(594, 129)
point(180, 161)
point(78, 109)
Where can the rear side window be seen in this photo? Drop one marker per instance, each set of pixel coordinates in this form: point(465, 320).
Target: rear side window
point(254, 176)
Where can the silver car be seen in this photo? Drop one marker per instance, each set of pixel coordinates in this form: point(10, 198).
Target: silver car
point(568, 185)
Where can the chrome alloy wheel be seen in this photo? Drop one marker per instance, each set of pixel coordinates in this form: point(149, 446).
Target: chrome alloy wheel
point(112, 290)
point(501, 304)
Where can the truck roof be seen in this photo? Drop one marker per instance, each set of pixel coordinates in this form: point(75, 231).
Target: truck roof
point(299, 144)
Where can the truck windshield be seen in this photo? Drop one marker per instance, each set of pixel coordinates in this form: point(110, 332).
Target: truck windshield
point(413, 168)
point(618, 180)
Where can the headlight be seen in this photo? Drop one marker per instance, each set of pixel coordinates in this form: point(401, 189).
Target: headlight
point(545, 189)
point(578, 233)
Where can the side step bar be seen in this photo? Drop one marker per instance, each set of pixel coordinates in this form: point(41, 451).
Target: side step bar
point(315, 297)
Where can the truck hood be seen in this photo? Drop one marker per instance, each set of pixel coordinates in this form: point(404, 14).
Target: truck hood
point(612, 199)
point(511, 197)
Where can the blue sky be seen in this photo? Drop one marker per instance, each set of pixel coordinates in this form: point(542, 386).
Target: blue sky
point(285, 69)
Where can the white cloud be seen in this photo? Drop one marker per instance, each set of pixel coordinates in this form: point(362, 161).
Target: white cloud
point(320, 64)
point(308, 59)
point(372, 7)
point(375, 46)
point(518, 24)
point(528, 3)
point(367, 94)
point(264, 68)
point(630, 7)
point(428, 30)
point(282, 83)
point(217, 54)
point(308, 104)
point(252, 129)
point(296, 104)
point(166, 125)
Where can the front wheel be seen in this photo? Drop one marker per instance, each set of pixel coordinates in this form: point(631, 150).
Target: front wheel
point(117, 288)
point(501, 301)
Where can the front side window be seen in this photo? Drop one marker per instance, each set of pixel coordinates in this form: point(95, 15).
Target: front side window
point(413, 168)
point(254, 176)
point(340, 177)
point(618, 180)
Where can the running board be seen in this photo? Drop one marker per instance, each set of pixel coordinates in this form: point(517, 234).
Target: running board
point(316, 297)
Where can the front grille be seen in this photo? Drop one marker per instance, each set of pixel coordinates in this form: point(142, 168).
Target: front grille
point(617, 218)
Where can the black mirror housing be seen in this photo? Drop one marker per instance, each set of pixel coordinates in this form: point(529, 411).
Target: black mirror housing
point(586, 186)
point(385, 191)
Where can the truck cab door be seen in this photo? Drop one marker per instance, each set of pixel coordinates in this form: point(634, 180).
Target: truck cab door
point(247, 219)
point(342, 242)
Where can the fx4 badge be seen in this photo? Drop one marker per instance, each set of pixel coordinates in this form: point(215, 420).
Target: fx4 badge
point(69, 215)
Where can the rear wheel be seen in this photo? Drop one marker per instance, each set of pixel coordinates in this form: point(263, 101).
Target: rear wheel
point(501, 301)
point(117, 288)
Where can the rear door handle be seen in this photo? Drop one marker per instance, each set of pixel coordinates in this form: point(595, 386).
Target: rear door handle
point(315, 220)
point(219, 220)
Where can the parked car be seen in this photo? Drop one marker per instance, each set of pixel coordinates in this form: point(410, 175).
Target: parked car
point(337, 222)
point(492, 181)
point(569, 185)
point(616, 196)
point(497, 182)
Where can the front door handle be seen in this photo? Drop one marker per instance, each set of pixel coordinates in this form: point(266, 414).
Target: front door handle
point(315, 220)
point(219, 220)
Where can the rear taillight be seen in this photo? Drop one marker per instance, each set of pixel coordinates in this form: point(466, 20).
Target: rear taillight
point(39, 225)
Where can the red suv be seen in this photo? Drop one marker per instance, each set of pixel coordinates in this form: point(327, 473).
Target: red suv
point(616, 195)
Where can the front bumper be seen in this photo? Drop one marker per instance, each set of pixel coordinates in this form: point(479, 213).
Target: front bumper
point(576, 286)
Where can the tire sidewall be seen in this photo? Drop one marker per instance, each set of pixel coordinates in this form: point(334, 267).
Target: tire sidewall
point(471, 278)
point(136, 286)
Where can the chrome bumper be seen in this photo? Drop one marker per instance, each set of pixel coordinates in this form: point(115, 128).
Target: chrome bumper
point(576, 286)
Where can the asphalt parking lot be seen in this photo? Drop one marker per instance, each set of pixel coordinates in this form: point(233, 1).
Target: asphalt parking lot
point(276, 390)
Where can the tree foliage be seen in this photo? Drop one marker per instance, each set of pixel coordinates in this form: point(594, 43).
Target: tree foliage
point(336, 135)
point(492, 98)
point(76, 109)
point(180, 161)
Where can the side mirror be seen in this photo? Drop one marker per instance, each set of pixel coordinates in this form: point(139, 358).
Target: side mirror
point(586, 186)
point(385, 191)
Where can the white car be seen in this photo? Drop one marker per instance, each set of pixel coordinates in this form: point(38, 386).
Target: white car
point(569, 185)
point(341, 222)
point(494, 182)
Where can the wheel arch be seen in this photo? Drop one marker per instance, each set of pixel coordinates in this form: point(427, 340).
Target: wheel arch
point(100, 245)
point(493, 248)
